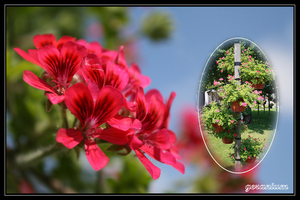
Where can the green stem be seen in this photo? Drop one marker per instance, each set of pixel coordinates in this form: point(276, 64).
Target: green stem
point(63, 109)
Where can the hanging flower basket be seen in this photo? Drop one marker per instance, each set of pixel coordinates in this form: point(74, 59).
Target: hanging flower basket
point(225, 140)
point(251, 160)
point(218, 127)
point(259, 85)
point(235, 106)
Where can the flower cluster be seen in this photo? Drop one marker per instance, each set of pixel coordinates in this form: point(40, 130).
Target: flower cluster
point(251, 69)
point(233, 91)
point(108, 99)
point(250, 148)
point(224, 117)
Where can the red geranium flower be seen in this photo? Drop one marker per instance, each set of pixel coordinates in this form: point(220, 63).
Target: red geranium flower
point(91, 114)
point(151, 138)
point(41, 41)
point(60, 66)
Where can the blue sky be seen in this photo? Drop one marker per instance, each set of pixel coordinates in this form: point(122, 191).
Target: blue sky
point(177, 64)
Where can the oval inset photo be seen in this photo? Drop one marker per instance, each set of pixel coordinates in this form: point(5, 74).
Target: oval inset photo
point(238, 105)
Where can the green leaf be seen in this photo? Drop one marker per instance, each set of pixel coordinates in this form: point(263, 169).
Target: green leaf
point(115, 147)
point(125, 151)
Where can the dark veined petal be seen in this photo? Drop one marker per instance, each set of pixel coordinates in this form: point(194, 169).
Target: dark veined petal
point(155, 114)
point(92, 70)
point(80, 102)
point(116, 76)
point(95, 155)
point(71, 55)
point(141, 107)
point(49, 57)
point(108, 104)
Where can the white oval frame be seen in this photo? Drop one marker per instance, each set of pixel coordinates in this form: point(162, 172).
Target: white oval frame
point(277, 104)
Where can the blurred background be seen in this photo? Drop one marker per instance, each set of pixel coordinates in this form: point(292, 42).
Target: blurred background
point(171, 45)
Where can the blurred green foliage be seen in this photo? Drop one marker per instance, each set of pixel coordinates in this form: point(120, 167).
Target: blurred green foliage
point(157, 25)
point(31, 129)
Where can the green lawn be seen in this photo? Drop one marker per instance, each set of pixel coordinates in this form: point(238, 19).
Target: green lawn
point(261, 127)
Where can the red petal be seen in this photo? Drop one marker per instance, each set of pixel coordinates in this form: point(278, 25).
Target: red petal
point(155, 115)
point(120, 122)
point(151, 168)
point(63, 40)
point(136, 124)
point(93, 47)
point(167, 113)
point(95, 155)
point(179, 166)
point(108, 104)
point(135, 74)
point(154, 92)
point(131, 106)
point(69, 137)
point(172, 137)
point(44, 40)
point(161, 138)
point(71, 55)
point(141, 107)
point(55, 98)
point(80, 102)
point(37, 82)
point(120, 60)
point(113, 135)
point(116, 76)
point(159, 155)
point(28, 57)
point(133, 141)
point(92, 70)
point(94, 89)
point(135, 79)
point(49, 58)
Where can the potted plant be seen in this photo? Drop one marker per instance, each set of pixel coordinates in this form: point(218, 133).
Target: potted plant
point(250, 149)
point(252, 69)
point(257, 73)
point(238, 96)
point(220, 121)
point(218, 117)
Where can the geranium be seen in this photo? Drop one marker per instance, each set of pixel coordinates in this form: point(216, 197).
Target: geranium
point(91, 115)
point(225, 118)
point(153, 136)
point(60, 67)
point(107, 98)
point(255, 71)
point(42, 41)
point(250, 148)
point(233, 91)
